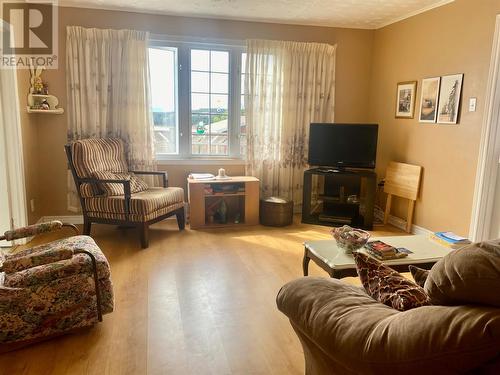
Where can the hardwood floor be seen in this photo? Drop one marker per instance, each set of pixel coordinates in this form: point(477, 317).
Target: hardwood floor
point(195, 302)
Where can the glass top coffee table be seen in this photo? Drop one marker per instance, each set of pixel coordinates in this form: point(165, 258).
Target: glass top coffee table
point(327, 255)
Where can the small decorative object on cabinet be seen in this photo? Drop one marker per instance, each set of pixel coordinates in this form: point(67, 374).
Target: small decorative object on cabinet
point(219, 203)
point(39, 100)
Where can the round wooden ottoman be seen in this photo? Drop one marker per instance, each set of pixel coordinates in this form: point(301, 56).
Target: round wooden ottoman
point(276, 212)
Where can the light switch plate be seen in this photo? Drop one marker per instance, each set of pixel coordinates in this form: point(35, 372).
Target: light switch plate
point(472, 104)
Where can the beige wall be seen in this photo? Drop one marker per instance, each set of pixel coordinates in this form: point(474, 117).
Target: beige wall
point(29, 132)
point(456, 38)
point(353, 74)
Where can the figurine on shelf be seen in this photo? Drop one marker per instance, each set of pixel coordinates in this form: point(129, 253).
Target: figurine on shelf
point(36, 79)
point(45, 105)
point(45, 88)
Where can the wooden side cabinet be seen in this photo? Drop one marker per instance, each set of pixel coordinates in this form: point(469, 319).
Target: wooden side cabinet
point(239, 197)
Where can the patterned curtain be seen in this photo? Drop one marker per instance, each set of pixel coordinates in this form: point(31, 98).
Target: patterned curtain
point(108, 92)
point(288, 85)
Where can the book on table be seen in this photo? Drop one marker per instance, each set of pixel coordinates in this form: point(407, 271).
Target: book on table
point(449, 239)
point(382, 251)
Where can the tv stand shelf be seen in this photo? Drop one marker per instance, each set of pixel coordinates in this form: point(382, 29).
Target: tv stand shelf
point(326, 197)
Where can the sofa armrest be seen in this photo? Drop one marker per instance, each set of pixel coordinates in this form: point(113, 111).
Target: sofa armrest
point(369, 337)
point(21, 262)
point(155, 173)
point(33, 230)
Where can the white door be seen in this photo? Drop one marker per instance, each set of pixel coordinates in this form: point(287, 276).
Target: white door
point(495, 219)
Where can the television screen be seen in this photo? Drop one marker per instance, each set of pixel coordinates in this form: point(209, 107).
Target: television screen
point(343, 145)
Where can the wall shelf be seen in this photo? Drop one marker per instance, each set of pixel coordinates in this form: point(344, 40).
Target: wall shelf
point(57, 111)
point(35, 100)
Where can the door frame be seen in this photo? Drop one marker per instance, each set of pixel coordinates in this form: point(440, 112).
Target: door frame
point(489, 158)
point(10, 125)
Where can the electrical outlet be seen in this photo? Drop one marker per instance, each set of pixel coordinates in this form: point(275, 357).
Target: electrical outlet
point(32, 205)
point(472, 104)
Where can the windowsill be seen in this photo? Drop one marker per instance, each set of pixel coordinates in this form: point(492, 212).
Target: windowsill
point(196, 161)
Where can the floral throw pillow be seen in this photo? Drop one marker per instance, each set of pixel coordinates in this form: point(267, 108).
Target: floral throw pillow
point(110, 189)
point(388, 286)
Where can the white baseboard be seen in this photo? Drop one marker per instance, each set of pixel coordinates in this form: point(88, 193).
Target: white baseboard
point(400, 223)
point(70, 219)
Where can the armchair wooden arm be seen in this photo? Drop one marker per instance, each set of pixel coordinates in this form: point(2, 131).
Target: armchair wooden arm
point(155, 173)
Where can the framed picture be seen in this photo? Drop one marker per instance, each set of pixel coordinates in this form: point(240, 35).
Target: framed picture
point(405, 99)
point(449, 98)
point(429, 99)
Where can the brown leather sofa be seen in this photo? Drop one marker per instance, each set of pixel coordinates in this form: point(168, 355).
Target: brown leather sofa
point(345, 331)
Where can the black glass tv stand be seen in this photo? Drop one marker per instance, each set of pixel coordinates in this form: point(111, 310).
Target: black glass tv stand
point(337, 196)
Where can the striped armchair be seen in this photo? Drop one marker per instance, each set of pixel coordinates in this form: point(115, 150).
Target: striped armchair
point(110, 193)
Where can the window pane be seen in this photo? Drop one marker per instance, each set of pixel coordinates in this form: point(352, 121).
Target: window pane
point(218, 124)
point(163, 70)
point(200, 103)
point(200, 124)
point(219, 61)
point(243, 63)
point(200, 144)
point(218, 103)
point(200, 60)
point(219, 83)
point(219, 145)
point(242, 84)
point(200, 82)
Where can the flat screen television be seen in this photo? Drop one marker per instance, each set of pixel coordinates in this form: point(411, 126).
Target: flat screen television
point(343, 145)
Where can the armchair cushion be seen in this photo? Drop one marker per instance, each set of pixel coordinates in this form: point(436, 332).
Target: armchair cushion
point(136, 184)
point(15, 263)
point(77, 263)
point(145, 205)
point(97, 155)
point(366, 337)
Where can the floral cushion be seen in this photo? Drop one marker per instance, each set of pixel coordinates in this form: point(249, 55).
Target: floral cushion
point(388, 286)
point(53, 298)
point(19, 263)
point(136, 184)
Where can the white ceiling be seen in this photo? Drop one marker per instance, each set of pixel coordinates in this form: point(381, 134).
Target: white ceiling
point(363, 14)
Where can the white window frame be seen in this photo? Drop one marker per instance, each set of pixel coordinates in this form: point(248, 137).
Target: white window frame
point(183, 83)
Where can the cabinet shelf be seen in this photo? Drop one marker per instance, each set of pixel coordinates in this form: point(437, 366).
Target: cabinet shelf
point(226, 195)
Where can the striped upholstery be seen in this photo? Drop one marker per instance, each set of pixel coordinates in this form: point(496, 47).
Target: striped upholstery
point(143, 205)
point(97, 155)
point(136, 184)
point(136, 217)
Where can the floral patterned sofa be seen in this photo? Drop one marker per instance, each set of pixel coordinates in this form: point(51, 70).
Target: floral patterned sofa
point(53, 288)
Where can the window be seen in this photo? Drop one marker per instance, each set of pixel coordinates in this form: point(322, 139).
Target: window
point(199, 110)
point(163, 67)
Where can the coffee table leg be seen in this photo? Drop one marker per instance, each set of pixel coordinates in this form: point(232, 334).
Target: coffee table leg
point(305, 263)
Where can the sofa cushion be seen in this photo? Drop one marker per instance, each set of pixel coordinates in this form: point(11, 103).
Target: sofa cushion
point(388, 286)
point(136, 184)
point(367, 337)
point(419, 275)
point(467, 275)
